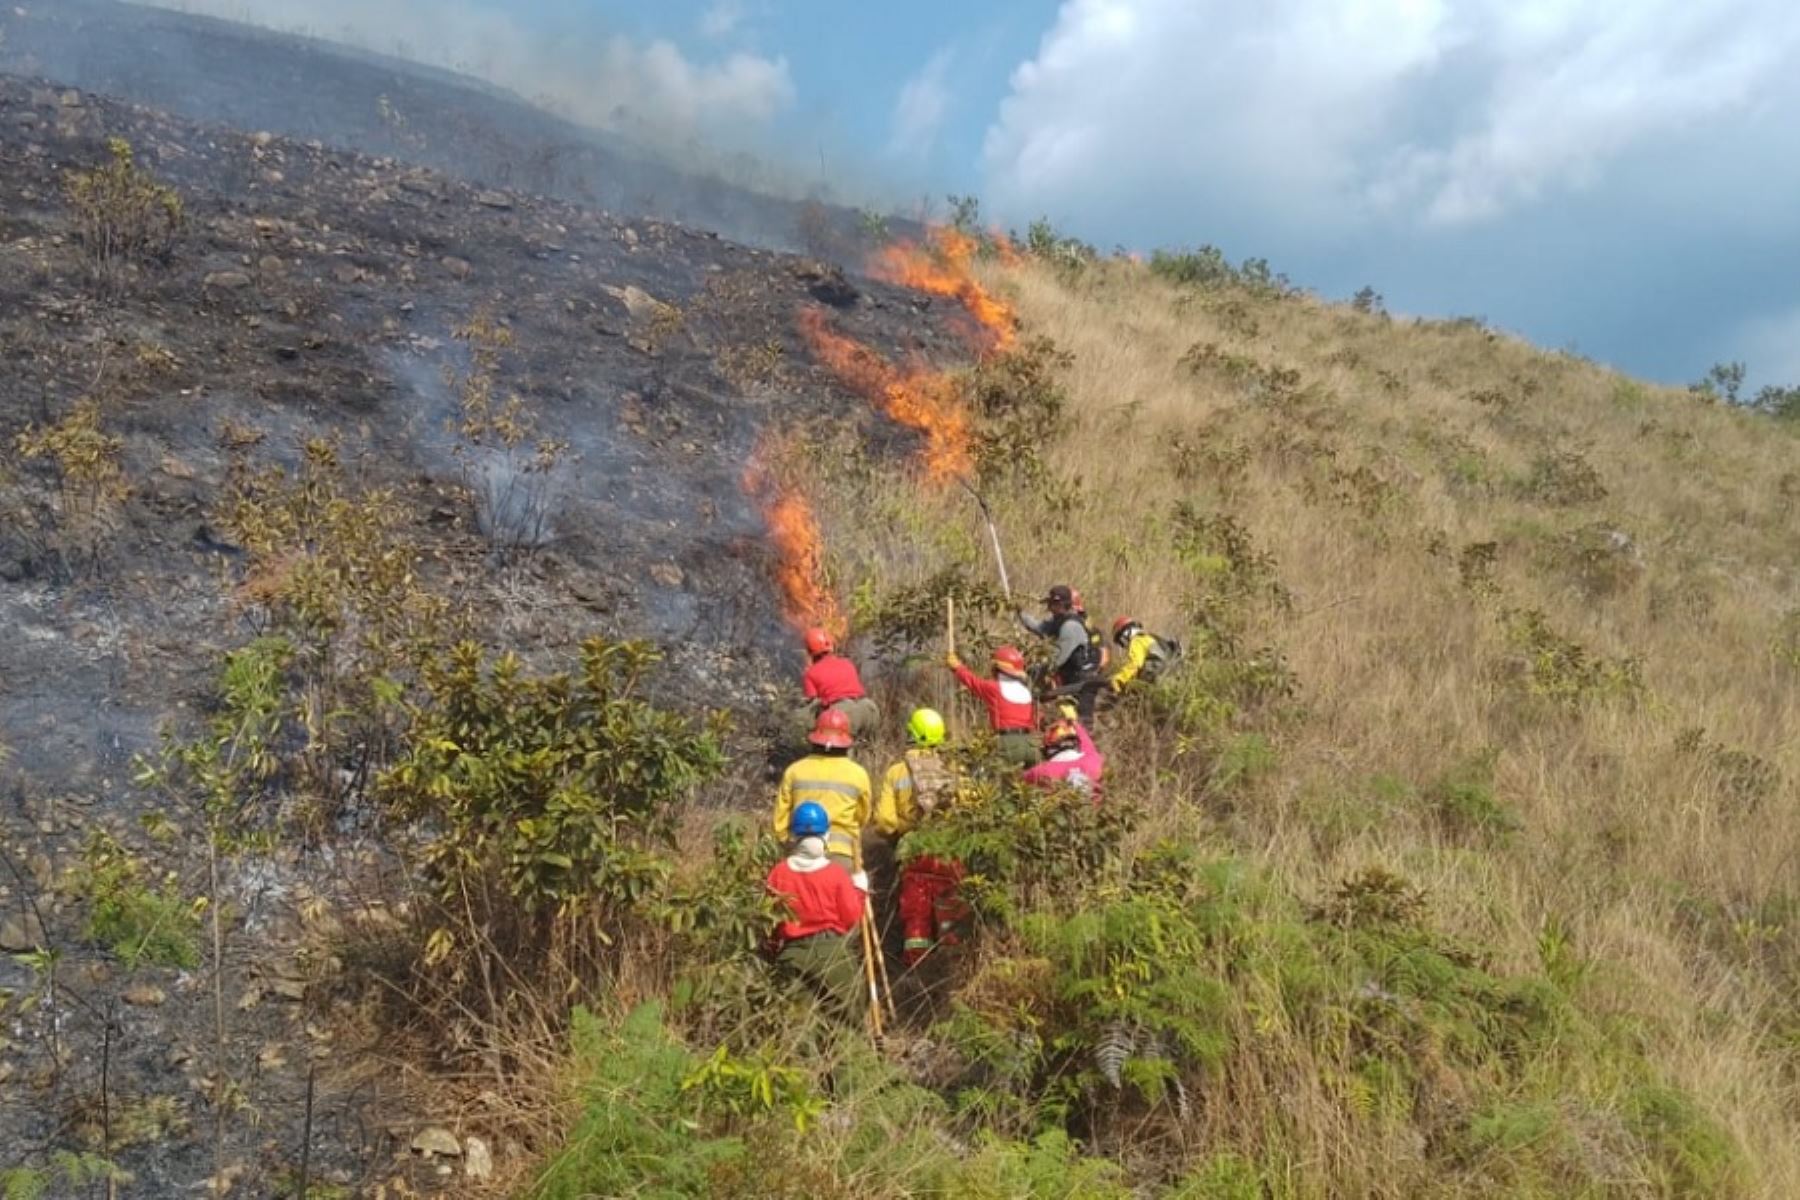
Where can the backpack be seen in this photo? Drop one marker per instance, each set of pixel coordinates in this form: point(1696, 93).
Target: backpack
point(934, 784)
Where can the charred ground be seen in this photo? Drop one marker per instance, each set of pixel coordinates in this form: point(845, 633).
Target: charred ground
point(315, 295)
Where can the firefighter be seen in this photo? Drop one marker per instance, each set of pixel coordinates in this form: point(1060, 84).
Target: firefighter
point(1071, 758)
point(1146, 655)
point(824, 906)
point(831, 681)
point(1011, 708)
point(829, 778)
point(1079, 654)
point(921, 783)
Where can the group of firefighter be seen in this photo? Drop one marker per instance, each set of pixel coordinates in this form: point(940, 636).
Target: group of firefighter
point(826, 800)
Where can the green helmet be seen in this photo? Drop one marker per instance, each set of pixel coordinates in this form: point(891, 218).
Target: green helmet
point(925, 727)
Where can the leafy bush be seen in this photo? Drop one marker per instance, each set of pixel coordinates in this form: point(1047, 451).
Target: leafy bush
point(332, 574)
point(508, 468)
point(1025, 846)
point(551, 803)
point(139, 917)
point(1464, 802)
point(1562, 479)
point(1557, 668)
point(1018, 402)
point(1207, 267)
point(123, 216)
point(88, 483)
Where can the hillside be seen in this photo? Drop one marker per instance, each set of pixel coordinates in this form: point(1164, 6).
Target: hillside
point(308, 89)
point(1494, 622)
point(405, 575)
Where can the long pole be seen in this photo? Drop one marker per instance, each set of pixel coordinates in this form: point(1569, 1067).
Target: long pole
point(868, 948)
point(950, 643)
point(987, 515)
point(881, 971)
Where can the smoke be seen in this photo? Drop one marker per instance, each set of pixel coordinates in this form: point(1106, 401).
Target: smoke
point(648, 91)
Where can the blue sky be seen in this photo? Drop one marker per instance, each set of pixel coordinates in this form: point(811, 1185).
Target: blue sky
point(1617, 177)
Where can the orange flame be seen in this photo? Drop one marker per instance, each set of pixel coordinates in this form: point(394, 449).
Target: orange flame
point(799, 546)
point(1003, 247)
point(919, 398)
point(945, 270)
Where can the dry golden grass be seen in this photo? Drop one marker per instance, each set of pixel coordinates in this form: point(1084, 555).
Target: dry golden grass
point(1662, 859)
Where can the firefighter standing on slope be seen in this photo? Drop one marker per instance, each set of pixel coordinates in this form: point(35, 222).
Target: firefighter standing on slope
point(831, 682)
point(1011, 708)
point(1146, 655)
point(824, 906)
point(920, 784)
point(829, 778)
point(1076, 661)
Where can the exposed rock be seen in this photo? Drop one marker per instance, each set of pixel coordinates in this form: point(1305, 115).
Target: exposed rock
point(478, 1160)
point(459, 268)
point(435, 1141)
point(667, 574)
point(227, 281)
point(498, 200)
point(21, 933)
point(144, 995)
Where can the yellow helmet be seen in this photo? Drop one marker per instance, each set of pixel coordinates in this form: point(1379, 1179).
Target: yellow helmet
point(925, 727)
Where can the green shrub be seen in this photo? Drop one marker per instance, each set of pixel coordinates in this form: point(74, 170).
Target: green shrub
point(140, 918)
point(123, 216)
point(636, 1131)
point(1562, 670)
point(551, 803)
point(1464, 803)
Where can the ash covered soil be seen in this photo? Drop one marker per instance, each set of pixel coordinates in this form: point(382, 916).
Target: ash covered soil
point(314, 295)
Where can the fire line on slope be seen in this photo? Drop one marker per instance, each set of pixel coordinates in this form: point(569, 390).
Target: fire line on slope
point(794, 532)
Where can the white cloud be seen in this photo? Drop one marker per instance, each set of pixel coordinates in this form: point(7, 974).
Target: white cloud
point(1297, 113)
point(722, 18)
point(649, 88)
point(920, 111)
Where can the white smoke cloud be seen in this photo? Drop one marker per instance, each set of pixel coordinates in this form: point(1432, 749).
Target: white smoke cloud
point(609, 82)
point(920, 111)
point(1444, 112)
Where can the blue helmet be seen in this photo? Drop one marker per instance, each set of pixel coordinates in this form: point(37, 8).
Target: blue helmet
point(809, 820)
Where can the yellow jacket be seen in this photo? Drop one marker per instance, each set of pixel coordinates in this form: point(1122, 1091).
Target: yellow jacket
point(898, 810)
point(1136, 655)
point(835, 783)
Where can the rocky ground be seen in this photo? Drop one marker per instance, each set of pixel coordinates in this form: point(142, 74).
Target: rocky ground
point(315, 294)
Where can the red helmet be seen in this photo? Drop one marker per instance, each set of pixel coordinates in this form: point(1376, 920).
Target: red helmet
point(1061, 735)
point(1121, 627)
point(1009, 660)
point(819, 642)
point(832, 730)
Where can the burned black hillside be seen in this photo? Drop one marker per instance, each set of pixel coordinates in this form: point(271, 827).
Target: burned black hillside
point(315, 295)
point(252, 79)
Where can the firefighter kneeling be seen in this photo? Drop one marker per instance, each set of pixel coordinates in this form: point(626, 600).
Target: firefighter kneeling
point(932, 912)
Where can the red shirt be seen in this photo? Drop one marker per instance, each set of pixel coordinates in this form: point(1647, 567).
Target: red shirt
point(821, 901)
point(832, 678)
point(1009, 701)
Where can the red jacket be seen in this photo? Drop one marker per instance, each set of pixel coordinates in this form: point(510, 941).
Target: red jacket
point(1006, 713)
point(832, 678)
point(821, 898)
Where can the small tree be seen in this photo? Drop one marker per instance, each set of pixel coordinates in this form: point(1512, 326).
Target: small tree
point(552, 804)
point(123, 216)
point(1722, 381)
